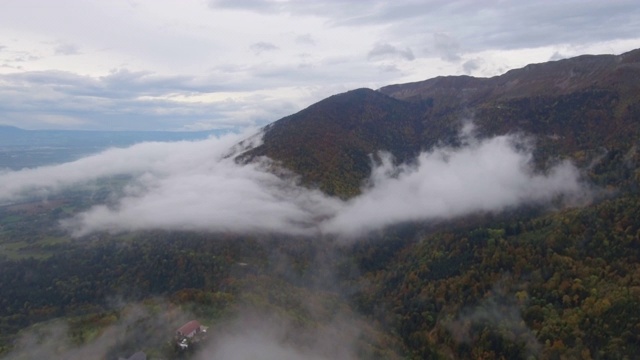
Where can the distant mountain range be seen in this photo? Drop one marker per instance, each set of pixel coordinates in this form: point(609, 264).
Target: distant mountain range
point(578, 108)
point(10, 129)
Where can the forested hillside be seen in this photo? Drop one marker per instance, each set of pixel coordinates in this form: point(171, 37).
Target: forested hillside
point(563, 285)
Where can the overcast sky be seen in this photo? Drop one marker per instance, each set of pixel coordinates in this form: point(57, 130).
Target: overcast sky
point(189, 65)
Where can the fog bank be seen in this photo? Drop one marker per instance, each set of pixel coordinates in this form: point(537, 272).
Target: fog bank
point(195, 186)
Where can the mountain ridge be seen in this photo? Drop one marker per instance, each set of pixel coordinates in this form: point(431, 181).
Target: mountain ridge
point(573, 107)
point(590, 67)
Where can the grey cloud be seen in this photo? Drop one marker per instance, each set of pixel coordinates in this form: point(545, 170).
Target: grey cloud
point(254, 5)
point(306, 39)
point(126, 100)
point(119, 83)
point(330, 8)
point(12, 58)
point(528, 24)
point(477, 25)
point(260, 47)
point(338, 12)
point(470, 66)
point(389, 68)
point(148, 83)
point(141, 100)
point(556, 56)
point(329, 74)
point(446, 46)
point(24, 58)
point(66, 49)
point(386, 50)
point(130, 84)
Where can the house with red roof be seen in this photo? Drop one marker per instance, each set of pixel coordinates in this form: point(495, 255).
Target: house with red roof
point(189, 329)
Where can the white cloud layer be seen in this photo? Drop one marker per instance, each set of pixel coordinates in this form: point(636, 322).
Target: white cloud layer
point(193, 186)
point(489, 175)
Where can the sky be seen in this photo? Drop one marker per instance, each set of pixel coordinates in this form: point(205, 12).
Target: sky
point(231, 64)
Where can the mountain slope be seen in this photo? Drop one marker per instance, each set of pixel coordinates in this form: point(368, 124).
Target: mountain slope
point(573, 104)
point(579, 108)
point(330, 142)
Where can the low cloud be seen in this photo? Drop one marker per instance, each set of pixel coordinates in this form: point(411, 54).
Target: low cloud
point(498, 313)
point(556, 56)
point(388, 50)
point(260, 47)
point(195, 186)
point(447, 47)
point(469, 66)
point(66, 49)
point(488, 175)
point(305, 39)
point(261, 336)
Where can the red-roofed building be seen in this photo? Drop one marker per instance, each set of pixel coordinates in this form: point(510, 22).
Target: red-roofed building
point(189, 329)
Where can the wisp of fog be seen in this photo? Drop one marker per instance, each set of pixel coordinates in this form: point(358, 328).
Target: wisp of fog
point(193, 185)
point(487, 175)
